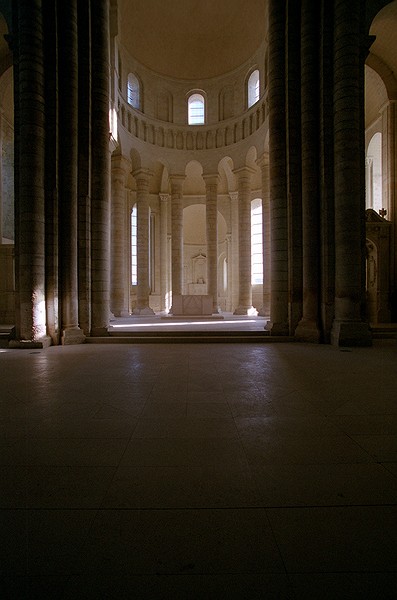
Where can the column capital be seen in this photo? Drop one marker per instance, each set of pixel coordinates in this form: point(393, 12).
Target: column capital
point(244, 172)
point(119, 162)
point(263, 161)
point(177, 178)
point(164, 197)
point(211, 178)
point(145, 174)
point(233, 196)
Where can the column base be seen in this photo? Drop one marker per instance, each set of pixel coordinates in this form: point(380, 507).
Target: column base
point(350, 333)
point(71, 336)
point(40, 344)
point(99, 332)
point(264, 311)
point(307, 331)
point(146, 311)
point(249, 311)
point(277, 328)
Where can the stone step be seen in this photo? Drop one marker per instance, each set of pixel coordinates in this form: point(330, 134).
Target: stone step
point(204, 337)
point(384, 331)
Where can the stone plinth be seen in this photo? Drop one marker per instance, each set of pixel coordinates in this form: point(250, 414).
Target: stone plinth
point(192, 305)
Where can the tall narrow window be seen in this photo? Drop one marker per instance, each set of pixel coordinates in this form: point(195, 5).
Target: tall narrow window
point(134, 246)
point(253, 88)
point(196, 109)
point(133, 91)
point(256, 242)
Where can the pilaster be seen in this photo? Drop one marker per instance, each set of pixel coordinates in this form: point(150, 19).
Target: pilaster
point(119, 238)
point(164, 201)
point(263, 163)
point(142, 178)
point(234, 283)
point(211, 189)
point(244, 175)
point(177, 233)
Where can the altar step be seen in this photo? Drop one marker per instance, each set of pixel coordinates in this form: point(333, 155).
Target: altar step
point(188, 337)
point(384, 331)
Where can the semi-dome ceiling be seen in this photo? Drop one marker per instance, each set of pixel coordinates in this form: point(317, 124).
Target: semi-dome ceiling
point(192, 39)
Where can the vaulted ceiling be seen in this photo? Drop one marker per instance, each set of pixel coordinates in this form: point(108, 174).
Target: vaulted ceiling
point(192, 39)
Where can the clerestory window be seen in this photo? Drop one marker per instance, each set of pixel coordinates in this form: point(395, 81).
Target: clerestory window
point(196, 109)
point(134, 91)
point(253, 88)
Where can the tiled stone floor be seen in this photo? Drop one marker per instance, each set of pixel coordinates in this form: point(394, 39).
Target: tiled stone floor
point(199, 471)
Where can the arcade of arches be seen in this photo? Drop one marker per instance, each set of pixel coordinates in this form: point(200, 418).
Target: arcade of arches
point(245, 156)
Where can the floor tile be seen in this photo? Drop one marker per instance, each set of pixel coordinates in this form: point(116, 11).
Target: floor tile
point(183, 452)
point(180, 541)
point(336, 539)
point(181, 487)
point(325, 484)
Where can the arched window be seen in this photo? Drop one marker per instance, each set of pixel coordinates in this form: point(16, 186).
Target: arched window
point(256, 242)
point(196, 109)
point(134, 246)
point(253, 88)
point(373, 167)
point(134, 91)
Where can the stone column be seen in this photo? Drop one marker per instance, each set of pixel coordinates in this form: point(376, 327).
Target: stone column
point(84, 165)
point(294, 160)
point(119, 240)
point(142, 178)
point(100, 183)
point(177, 233)
point(68, 156)
point(263, 163)
point(164, 198)
point(29, 188)
point(327, 208)
point(211, 212)
point(234, 283)
point(51, 173)
point(278, 324)
point(348, 328)
point(244, 307)
point(308, 326)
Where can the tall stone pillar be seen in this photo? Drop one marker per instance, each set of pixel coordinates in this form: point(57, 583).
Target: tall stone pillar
point(164, 198)
point(52, 246)
point(244, 216)
point(84, 165)
point(327, 198)
point(308, 326)
point(100, 173)
point(235, 251)
point(278, 324)
point(177, 233)
point(29, 185)
point(119, 240)
point(211, 191)
point(263, 163)
point(142, 178)
point(294, 160)
point(348, 327)
point(68, 156)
